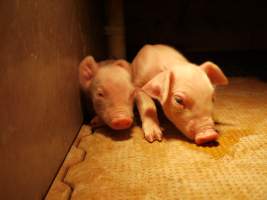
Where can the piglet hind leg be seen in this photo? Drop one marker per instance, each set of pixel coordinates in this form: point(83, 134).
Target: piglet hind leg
point(149, 118)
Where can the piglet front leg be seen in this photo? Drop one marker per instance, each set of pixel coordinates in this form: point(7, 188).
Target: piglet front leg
point(148, 115)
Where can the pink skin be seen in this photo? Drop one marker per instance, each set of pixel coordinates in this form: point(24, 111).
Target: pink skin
point(184, 90)
point(109, 85)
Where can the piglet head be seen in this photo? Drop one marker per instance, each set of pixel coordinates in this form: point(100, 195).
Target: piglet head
point(111, 90)
point(186, 95)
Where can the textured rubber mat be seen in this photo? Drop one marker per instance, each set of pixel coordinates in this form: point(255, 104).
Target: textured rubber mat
point(121, 165)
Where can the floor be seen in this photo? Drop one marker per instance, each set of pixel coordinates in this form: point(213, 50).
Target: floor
point(105, 164)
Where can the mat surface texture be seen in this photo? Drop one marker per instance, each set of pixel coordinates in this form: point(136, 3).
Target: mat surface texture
point(112, 165)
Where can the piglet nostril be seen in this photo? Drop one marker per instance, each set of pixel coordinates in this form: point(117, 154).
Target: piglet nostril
point(121, 123)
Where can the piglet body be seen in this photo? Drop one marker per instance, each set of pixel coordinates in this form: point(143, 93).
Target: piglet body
point(108, 84)
point(184, 90)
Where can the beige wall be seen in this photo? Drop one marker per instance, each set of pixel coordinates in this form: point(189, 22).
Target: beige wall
point(41, 44)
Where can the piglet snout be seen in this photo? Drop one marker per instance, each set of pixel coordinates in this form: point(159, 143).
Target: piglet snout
point(206, 136)
point(121, 123)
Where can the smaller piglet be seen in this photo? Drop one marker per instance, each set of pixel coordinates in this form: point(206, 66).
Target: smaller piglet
point(108, 84)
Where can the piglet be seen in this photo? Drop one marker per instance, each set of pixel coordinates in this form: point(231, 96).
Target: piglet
point(184, 90)
point(108, 84)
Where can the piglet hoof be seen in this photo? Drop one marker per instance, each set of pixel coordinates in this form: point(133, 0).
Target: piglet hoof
point(206, 136)
point(96, 122)
point(152, 132)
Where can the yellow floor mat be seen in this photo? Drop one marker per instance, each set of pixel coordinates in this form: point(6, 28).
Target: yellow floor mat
point(113, 165)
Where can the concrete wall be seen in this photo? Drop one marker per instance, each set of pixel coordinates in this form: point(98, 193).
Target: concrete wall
point(41, 44)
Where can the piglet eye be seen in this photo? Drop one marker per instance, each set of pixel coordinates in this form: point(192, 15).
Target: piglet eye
point(100, 94)
point(213, 99)
point(132, 94)
point(179, 100)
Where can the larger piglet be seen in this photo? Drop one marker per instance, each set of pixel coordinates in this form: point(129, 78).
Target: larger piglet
point(108, 84)
point(184, 90)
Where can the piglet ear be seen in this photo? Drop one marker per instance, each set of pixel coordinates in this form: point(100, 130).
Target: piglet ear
point(124, 64)
point(158, 87)
point(87, 70)
point(214, 73)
